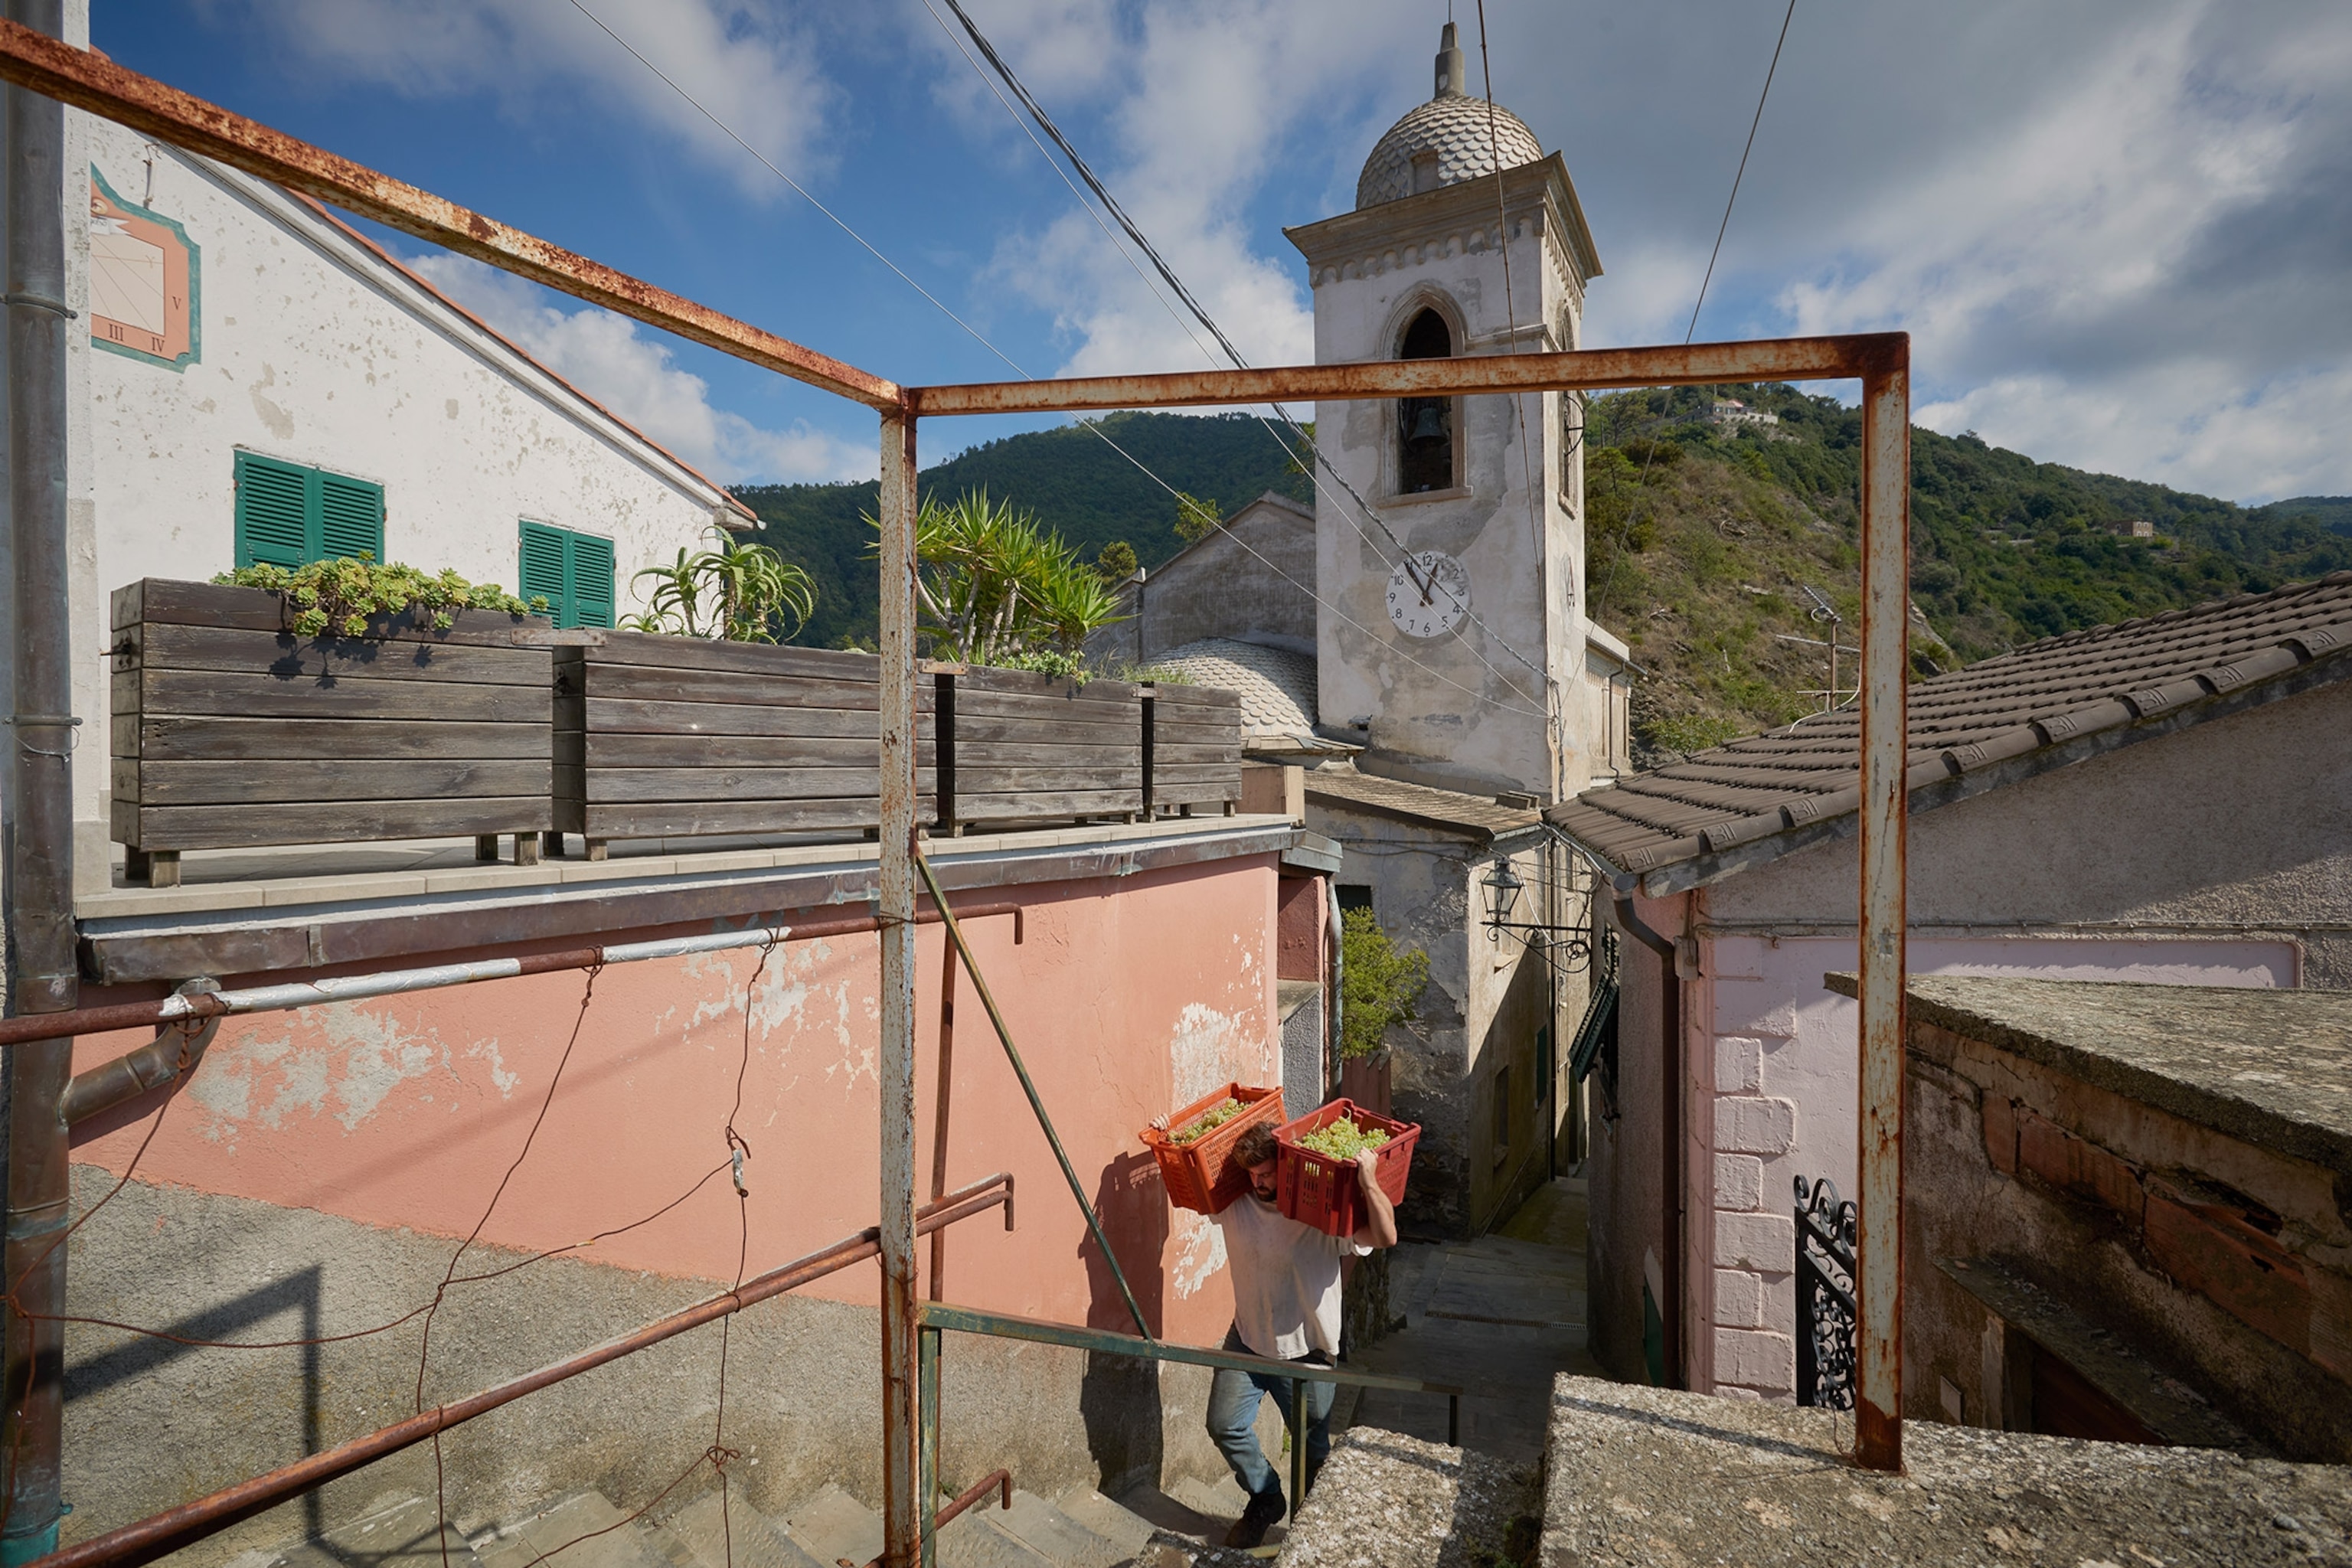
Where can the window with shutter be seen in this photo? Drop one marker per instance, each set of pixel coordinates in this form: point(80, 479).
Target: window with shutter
point(573, 572)
point(288, 515)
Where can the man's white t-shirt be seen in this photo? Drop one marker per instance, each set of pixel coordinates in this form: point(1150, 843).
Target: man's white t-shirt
point(1286, 1279)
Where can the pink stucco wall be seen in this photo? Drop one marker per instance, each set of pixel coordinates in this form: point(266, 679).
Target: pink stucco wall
point(1775, 1095)
point(1127, 996)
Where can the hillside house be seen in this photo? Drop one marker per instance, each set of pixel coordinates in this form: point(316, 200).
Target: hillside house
point(260, 382)
point(2165, 801)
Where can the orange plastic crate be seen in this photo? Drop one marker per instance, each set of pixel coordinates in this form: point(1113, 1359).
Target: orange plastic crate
point(1317, 1190)
point(1199, 1175)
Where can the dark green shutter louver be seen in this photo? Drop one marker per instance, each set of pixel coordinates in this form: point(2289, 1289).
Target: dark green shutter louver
point(288, 515)
point(592, 580)
point(270, 513)
point(350, 518)
point(573, 572)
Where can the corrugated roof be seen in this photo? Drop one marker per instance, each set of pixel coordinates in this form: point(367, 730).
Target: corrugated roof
point(2153, 675)
point(1473, 816)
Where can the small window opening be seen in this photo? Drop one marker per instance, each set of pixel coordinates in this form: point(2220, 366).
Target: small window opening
point(1424, 171)
point(1355, 896)
point(1426, 424)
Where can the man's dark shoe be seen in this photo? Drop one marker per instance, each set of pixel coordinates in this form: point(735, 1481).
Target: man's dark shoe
point(1264, 1509)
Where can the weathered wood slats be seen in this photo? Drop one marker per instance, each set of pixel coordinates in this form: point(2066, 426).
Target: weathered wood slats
point(672, 737)
point(1055, 749)
point(1194, 746)
point(228, 731)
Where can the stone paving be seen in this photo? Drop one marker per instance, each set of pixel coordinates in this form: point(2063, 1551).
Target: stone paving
point(1498, 1317)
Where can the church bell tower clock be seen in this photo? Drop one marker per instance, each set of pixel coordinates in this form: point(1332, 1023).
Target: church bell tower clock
point(1450, 559)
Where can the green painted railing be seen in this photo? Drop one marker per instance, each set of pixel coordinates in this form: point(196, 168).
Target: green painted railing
point(937, 1316)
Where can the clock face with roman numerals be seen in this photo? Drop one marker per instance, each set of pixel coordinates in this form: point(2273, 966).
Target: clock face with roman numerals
point(1429, 593)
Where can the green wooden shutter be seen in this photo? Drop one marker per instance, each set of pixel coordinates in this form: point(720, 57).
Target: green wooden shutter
point(592, 580)
point(542, 575)
point(272, 510)
point(350, 518)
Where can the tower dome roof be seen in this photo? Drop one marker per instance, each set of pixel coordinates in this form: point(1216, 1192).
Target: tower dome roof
point(1446, 141)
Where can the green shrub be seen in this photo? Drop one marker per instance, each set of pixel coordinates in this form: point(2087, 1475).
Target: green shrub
point(1379, 984)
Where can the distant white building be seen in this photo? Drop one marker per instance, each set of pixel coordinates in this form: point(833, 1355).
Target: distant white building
point(1732, 411)
point(251, 379)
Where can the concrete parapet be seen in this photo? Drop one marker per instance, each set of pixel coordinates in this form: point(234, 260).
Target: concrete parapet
point(1650, 1475)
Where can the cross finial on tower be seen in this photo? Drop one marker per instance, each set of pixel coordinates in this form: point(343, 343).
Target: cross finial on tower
point(1450, 72)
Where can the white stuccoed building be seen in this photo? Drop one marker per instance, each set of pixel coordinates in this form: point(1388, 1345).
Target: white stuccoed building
point(252, 379)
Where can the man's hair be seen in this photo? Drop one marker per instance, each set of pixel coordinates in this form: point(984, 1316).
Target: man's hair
point(1255, 1146)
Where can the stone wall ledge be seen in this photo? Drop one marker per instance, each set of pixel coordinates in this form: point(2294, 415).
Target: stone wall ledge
point(1650, 1475)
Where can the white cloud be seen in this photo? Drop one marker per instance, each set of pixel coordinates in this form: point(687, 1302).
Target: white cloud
point(746, 65)
point(613, 360)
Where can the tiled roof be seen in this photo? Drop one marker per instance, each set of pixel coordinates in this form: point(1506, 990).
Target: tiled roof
point(1277, 687)
point(2166, 670)
point(1474, 816)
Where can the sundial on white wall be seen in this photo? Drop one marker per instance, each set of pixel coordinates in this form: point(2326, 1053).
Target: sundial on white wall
point(142, 281)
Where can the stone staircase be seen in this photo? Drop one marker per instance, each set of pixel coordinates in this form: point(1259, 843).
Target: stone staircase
point(1079, 1528)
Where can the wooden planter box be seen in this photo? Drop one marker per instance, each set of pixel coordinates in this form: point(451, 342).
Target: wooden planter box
point(1026, 748)
point(659, 737)
point(1192, 749)
point(230, 732)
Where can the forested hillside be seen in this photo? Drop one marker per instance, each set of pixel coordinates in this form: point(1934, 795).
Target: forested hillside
point(1702, 538)
point(1076, 483)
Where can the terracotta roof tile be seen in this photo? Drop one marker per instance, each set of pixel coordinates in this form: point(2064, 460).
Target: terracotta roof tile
point(2035, 700)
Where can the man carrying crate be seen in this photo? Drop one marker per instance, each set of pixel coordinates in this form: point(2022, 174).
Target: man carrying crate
point(1285, 1307)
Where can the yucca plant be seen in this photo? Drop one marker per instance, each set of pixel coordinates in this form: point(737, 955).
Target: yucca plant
point(740, 592)
point(994, 587)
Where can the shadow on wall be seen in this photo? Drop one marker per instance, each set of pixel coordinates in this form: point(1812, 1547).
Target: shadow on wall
point(298, 1293)
point(1119, 1396)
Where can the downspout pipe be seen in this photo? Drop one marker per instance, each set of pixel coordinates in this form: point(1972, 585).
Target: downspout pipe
point(37, 912)
point(1336, 934)
point(1670, 1102)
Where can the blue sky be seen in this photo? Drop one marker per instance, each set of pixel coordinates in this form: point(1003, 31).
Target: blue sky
point(2120, 230)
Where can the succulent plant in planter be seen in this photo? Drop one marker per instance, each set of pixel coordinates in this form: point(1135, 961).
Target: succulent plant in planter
point(339, 597)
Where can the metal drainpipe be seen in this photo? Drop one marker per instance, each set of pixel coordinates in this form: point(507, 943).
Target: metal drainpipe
point(1670, 1102)
point(1338, 975)
point(903, 1506)
point(39, 912)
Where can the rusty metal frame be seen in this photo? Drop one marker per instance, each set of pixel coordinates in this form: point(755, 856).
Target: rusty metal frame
point(1882, 361)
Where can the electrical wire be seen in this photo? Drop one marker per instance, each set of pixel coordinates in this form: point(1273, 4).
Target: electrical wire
point(1015, 365)
point(1404, 556)
point(1721, 229)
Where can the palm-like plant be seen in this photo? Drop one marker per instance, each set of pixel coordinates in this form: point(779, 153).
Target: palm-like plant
point(742, 593)
point(993, 586)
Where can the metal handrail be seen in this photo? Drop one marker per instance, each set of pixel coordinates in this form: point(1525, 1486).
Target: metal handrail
point(936, 1316)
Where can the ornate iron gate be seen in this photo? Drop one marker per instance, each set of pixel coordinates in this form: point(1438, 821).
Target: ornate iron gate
point(1825, 1314)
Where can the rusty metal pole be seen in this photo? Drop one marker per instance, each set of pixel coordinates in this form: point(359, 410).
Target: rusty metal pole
point(902, 1503)
point(1885, 675)
point(42, 973)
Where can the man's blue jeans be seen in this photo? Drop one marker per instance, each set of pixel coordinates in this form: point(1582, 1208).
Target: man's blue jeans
point(1232, 1418)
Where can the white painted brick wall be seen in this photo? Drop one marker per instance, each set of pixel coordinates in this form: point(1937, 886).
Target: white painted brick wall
point(1755, 1125)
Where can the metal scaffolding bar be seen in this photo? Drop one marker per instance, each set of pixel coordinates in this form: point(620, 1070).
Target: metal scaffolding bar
point(87, 79)
point(904, 1505)
point(1885, 674)
point(166, 1532)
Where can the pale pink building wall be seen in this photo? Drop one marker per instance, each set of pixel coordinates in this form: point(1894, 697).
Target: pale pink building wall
point(1126, 995)
point(1775, 1094)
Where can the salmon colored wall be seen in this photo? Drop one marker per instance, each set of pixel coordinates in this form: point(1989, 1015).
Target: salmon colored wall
point(1127, 996)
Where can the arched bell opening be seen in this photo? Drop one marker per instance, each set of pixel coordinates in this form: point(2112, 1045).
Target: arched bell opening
point(1426, 424)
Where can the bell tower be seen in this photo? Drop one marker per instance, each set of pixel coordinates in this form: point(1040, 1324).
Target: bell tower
point(1450, 638)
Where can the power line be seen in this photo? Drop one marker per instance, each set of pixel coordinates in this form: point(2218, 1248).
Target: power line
point(1160, 264)
point(668, 81)
point(1735, 178)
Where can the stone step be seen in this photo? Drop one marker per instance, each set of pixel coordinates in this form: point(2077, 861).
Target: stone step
point(400, 1535)
point(739, 1532)
point(594, 1533)
point(1126, 1531)
point(1049, 1530)
point(974, 1538)
point(833, 1527)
